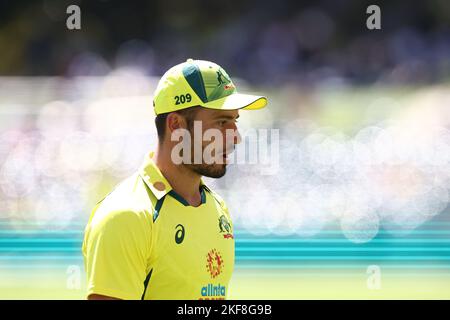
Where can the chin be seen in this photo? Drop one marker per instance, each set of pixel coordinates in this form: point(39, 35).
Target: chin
point(211, 170)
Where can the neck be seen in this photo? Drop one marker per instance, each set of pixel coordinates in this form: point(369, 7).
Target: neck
point(182, 180)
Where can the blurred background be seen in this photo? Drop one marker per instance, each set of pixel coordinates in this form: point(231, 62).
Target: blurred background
point(359, 176)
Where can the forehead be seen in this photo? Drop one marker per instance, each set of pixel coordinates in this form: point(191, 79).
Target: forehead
point(216, 114)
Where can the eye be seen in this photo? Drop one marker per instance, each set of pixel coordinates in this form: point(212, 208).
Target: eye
point(224, 122)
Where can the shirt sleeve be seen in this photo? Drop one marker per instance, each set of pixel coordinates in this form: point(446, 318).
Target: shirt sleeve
point(116, 250)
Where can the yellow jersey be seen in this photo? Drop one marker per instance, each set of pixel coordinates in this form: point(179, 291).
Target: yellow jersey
point(144, 241)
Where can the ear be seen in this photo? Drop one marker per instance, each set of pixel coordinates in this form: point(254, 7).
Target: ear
point(175, 121)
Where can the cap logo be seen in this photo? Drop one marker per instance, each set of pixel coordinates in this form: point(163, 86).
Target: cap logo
point(222, 79)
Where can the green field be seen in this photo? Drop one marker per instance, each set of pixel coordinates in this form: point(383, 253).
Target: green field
point(257, 284)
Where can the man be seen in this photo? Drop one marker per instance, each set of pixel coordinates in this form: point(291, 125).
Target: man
point(162, 233)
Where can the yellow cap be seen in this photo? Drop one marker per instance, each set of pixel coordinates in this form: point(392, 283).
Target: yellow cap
point(201, 83)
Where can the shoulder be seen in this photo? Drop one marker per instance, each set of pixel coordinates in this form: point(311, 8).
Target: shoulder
point(116, 227)
point(119, 216)
point(128, 199)
point(125, 207)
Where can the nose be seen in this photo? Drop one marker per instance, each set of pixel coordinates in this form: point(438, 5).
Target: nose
point(237, 137)
point(231, 136)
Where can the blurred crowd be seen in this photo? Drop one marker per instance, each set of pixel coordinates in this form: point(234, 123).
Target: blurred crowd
point(265, 42)
point(366, 158)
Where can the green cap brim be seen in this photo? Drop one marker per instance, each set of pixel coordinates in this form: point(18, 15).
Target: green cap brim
point(237, 101)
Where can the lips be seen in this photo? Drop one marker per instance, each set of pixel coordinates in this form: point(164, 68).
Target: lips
point(229, 150)
point(226, 154)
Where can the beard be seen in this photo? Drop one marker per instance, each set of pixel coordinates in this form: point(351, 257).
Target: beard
point(208, 170)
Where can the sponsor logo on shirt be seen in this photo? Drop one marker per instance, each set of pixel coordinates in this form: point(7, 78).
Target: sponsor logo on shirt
point(179, 234)
point(213, 292)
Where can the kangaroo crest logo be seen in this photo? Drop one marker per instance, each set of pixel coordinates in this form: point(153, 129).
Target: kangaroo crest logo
point(224, 80)
point(222, 77)
point(225, 227)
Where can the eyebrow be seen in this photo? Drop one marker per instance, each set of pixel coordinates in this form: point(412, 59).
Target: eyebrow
point(222, 116)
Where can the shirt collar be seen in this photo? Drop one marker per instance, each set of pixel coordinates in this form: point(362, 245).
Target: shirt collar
point(154, 178)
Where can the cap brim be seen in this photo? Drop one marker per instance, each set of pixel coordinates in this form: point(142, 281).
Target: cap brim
point(237, 101)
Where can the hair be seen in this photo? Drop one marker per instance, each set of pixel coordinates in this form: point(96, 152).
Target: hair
point(160, 120)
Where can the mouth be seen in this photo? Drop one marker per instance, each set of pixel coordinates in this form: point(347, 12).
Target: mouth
point(224, 158)
point(226, 155)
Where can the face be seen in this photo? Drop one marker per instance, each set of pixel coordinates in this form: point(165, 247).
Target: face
point(215, 126)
